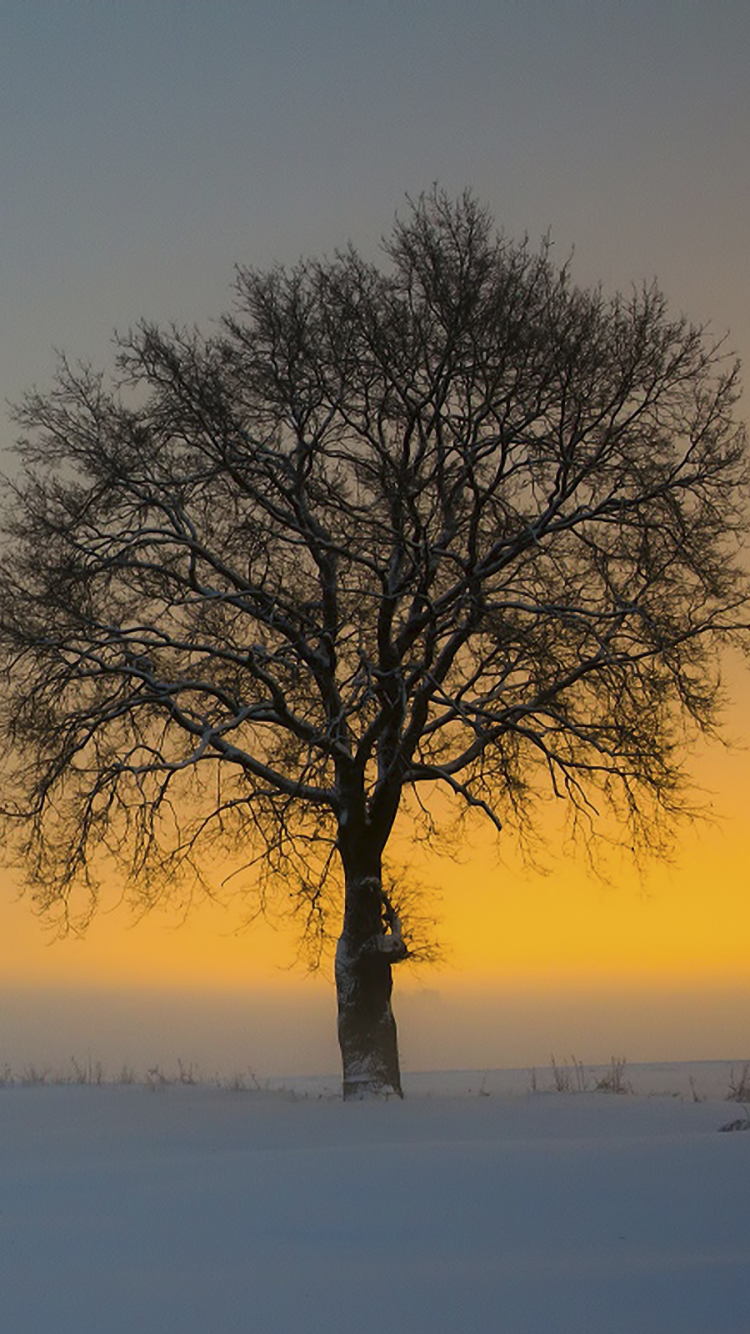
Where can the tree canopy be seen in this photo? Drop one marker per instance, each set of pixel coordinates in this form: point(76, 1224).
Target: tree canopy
point(446, 521)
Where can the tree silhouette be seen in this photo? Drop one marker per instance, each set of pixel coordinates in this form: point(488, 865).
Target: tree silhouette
point(449, 522)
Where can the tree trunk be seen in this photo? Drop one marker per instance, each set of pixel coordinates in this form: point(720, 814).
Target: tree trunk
point(370, 943)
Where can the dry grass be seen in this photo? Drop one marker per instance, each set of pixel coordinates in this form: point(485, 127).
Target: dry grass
point(739, 1084)
point(93, 1073)
point(573, 1077)
point(614, 1081)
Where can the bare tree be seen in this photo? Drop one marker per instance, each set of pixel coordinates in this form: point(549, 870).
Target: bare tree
point(447, 523)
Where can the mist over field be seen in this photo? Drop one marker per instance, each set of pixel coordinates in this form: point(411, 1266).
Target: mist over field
point(276, 1033)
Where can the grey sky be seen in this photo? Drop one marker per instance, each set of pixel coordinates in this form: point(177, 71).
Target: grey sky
point(147, 146)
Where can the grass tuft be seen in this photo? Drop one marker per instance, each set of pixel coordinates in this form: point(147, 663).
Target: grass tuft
point(614, 1081)
point(739, 1084)
point(575, 1078)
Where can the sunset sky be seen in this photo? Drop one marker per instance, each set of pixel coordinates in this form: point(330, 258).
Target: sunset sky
point(145, 148)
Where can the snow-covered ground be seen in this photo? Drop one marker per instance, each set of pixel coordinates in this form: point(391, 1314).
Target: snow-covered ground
point(475, 1204)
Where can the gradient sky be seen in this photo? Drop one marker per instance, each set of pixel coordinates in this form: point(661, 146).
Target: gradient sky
point(146, 147)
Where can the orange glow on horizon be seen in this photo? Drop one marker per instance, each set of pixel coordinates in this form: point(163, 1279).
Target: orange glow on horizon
point(683, 924)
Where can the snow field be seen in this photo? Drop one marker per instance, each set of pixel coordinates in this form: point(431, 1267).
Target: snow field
point(195, 1210)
